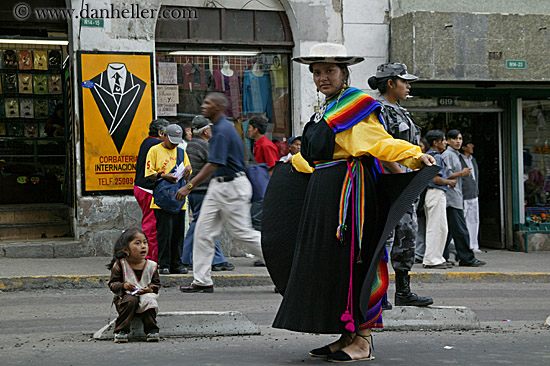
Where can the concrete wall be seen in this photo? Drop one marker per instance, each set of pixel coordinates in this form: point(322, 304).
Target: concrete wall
point(366, 33)
point(363, 27)
point(312, 21)
point(457, 46)
point(402, 7)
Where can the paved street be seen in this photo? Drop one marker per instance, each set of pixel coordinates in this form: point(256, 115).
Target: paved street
point(54, 328)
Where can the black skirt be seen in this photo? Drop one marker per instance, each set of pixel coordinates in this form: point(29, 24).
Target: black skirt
point(306, 261)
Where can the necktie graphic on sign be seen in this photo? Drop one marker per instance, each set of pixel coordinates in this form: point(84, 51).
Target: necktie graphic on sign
point(117, 92)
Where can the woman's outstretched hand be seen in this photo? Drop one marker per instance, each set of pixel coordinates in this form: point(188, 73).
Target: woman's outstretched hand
point(427, 160)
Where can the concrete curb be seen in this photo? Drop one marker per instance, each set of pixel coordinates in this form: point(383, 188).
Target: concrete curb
point(190, 324)
point(430, 317)
point(22, 283)
point(54, 248)
point(480, 276)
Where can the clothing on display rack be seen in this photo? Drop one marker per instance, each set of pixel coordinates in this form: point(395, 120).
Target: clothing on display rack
point(280, 76)
point(229, 85)
point(25, 60)
point(195, 77)
point(257, 94)
point(281, 115)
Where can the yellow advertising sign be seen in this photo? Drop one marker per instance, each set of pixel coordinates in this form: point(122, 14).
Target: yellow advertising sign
point(116, 108)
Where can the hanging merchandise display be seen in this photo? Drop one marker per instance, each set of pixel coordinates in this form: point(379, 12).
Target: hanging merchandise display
point(254, 84)
point(12, 108)
point(31, 86)
point(9, 83)
point(26, 108)
point(25, 60)
point(257, 96)
point(54, 84)
point(9, 59)
point(25, 84)
point(40, 84)
point(40, 60)
point(54, 60)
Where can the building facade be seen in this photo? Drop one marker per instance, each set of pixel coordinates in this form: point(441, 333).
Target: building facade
point(241, 48)
point(482, 70)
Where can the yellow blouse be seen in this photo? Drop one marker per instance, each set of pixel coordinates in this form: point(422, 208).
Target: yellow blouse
point(368, 137)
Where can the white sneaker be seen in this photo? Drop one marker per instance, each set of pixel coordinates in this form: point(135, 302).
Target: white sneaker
point(478, 251)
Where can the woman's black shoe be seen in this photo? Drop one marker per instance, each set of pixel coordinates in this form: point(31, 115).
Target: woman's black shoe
point(341, 356)
point(320, 352)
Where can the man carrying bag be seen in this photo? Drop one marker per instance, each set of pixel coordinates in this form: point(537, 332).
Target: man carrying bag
point(161, 163)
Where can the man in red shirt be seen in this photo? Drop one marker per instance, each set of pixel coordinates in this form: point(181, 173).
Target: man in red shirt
point(265, 151)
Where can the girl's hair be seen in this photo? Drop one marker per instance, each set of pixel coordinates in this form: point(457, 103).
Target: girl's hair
point(123, 242)
point(381, 84)
point(342, 67)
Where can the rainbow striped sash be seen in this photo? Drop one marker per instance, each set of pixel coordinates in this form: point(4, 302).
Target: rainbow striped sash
point(353, 190)
point(351, 108)
point(353, 179)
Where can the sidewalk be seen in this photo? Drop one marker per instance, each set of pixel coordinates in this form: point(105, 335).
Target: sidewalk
point(18, 274)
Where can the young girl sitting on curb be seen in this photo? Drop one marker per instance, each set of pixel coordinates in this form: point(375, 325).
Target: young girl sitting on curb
point(135, 282)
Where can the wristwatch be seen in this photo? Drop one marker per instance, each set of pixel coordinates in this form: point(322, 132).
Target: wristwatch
point(190, 186)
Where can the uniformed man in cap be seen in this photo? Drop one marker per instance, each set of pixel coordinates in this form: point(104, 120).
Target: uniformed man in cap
point(393, 82)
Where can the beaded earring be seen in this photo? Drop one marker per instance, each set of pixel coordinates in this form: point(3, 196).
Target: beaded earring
point(318, 107)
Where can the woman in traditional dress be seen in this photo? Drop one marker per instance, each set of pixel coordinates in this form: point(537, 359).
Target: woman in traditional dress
point(326, 212)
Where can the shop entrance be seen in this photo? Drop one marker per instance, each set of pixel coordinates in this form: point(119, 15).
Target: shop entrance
point(36, 154)
point(484, 127)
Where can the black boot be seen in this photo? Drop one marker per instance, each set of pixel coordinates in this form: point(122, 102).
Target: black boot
point(403, 294)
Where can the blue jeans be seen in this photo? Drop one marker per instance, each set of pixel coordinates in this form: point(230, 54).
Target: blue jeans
point(195, 203)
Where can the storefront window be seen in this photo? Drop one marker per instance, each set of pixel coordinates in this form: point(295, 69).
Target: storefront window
point(32, 123)
point(254, 84)
point(536, 159)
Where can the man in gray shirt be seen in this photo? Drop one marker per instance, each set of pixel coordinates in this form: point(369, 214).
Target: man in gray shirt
point(458, 230)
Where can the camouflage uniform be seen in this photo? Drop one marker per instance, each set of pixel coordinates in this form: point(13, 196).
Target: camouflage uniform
point(400, 125)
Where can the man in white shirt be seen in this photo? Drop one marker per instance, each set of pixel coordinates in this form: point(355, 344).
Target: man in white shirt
point(470, 191)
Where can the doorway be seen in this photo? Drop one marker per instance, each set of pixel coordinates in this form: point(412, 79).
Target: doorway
point(484, 127)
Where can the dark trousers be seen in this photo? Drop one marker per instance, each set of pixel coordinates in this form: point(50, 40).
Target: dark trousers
point(458, 231)
point(256, 209)
point(126, 309)
point(170, 234)
point(404, 239)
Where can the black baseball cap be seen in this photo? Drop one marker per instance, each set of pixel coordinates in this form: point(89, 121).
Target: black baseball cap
point(394, 69)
